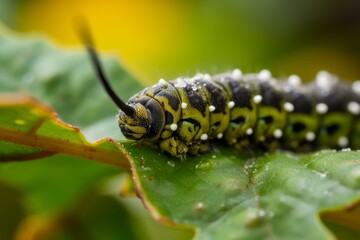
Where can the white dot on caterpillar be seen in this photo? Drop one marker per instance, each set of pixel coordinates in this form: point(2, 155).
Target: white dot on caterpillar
point(257, 99)
point(204, 136)
point(211, 108)
point(289, 107)
point(173, 126)
point(356, 86)
point(322, 108)
point(354, 108)
point(294, 80)
point(249, 131)
point(180, 83)
point(231, 104)
point(207, 77)
point(278, 133)
point(183, 105)
point(264, 74)
point(310, 136)
point(197, 76)
point(323, 75)
point(343, 141)
point(236, 73)
point(219, 136)
point(194, 87)
point(162, 82)
point(325, 80)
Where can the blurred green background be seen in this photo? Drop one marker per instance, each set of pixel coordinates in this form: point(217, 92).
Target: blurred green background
point(163, 39)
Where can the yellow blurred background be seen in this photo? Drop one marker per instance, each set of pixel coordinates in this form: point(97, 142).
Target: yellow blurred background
point(165, 39)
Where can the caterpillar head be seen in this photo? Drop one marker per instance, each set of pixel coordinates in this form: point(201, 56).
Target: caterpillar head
point(135, 118)
point(145, 122)
point(135, 126)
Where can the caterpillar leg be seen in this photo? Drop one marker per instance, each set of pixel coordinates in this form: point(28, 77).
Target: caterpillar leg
point(174, 146)
point(242, 143)
point(197, 148)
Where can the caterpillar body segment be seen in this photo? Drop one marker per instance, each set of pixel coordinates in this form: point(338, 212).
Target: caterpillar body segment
point(182, 116)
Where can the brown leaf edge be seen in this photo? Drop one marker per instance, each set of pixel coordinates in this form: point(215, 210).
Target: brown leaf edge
point(154, 212)
point(49, 145)
point(347, 216)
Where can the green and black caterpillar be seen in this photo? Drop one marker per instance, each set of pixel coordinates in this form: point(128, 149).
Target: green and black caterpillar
point(185, 115)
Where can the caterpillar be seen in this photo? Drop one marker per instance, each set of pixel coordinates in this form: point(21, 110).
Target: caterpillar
point(185, 115)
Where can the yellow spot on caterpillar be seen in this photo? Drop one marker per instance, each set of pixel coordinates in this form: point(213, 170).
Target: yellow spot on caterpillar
point(262, 138)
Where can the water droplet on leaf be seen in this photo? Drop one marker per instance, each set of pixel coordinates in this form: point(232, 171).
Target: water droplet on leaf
point(171, 163)
point(199, 206)
point(254, 217)
point(204, 165)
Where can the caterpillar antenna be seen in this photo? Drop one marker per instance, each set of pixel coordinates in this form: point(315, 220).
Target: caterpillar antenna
point(85, 35)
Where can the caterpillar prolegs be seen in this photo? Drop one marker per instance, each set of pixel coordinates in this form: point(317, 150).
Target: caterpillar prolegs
point(186, 114)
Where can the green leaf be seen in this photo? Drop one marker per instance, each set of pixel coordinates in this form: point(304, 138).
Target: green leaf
point(233, 195)
point(93, 216)
point(52, 187)
point(26, 122)
point(51, 184)
point(223, 194)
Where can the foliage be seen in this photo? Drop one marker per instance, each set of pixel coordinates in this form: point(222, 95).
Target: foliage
point(225, 193)
point(59, 195)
